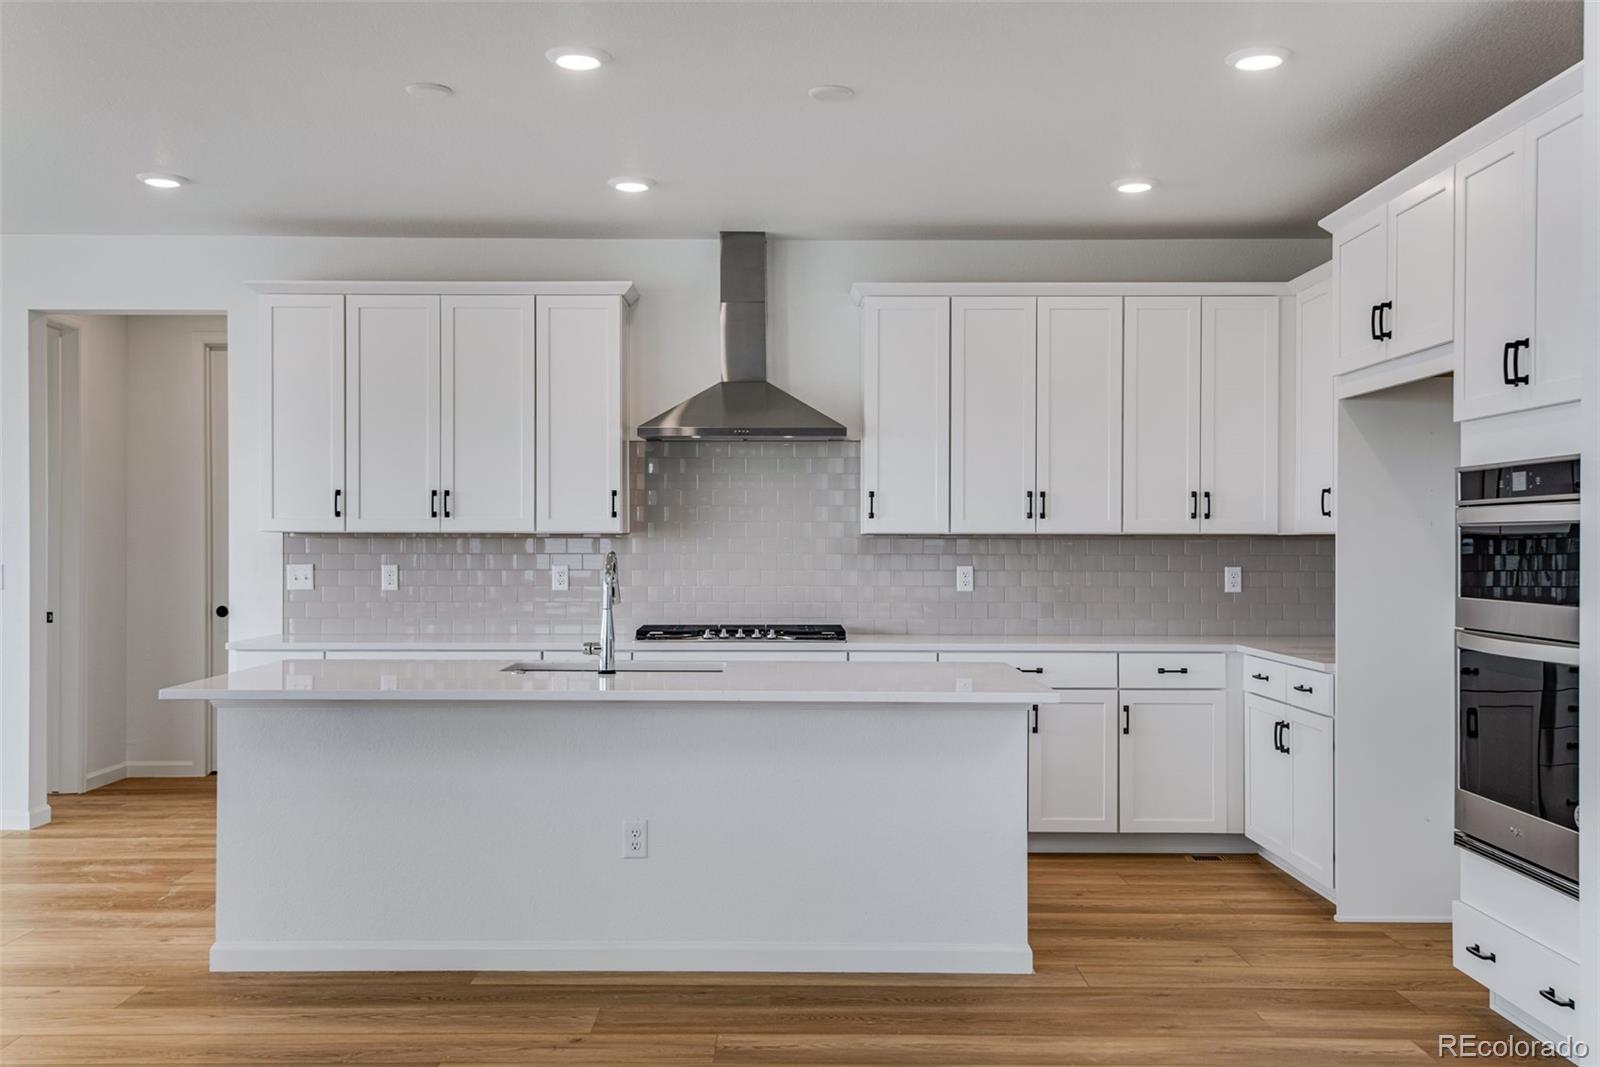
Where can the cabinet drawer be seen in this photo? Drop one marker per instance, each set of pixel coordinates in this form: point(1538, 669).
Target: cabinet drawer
point(893, 657)
point(1175, 670)
point(1311, 690)
point(1538, 980)
point(1058, 670)
point(1265, 678)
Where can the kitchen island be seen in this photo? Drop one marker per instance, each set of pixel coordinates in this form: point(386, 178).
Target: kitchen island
point(410, 815)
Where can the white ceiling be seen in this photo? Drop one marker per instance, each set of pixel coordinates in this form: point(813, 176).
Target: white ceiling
point(980, 119)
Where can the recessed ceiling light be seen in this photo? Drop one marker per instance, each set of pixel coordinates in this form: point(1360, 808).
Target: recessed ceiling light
point(1254, 60)
point(631, 185)
point(578, 58)
point(1133, 185)
point(158, 180)
point(830, 94)
point(430, 89)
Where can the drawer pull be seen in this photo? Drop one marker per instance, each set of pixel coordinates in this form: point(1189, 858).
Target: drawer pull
point(1302, 689)
point(1560, 1002)
point(1260, 677)
point(1172, 670)
point(1031, 670)
point(1487, 957)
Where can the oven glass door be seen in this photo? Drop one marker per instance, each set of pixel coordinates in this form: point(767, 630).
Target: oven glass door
point(1519, 577)
point(1518, 729)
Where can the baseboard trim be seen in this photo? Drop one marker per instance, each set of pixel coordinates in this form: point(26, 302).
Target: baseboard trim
point(116, 772)
point(1342, 918)
point(620, 956)
point(1231, 844)
point(31, 819)
point(1300, 876)
point(151, 768)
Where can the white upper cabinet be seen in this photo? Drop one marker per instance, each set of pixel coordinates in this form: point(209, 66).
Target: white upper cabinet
point(905, 441)
point(1519, 302)
point(487, 433)
point(1161, 415)
point(582, 465)
point(1311, 509)
point(1393, 272)
point(992, 412)
point(302, 415)
point(1079, 429)
point(392, 413)
point(1239, 414)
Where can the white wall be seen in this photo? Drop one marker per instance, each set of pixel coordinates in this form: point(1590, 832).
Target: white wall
point(1394, 763)
point(168, 619)
point(673, 344)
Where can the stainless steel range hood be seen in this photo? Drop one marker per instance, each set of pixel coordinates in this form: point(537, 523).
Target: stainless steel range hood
point(744, 405)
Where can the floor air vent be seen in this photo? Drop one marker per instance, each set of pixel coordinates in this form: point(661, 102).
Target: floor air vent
point(1206, 859)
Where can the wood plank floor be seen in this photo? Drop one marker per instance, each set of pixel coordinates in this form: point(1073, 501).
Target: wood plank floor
point(106, 917)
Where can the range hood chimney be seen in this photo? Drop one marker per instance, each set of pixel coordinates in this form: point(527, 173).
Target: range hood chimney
point(744, 406)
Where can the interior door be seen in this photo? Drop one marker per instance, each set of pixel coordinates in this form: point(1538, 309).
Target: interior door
point(1361, 282)
point(1314, 412)
point(392, 413)
point(1239, 414)
point(992, 410)
point(1492, 274)
point(1422, 267)
point(1268, 789)
point(1072, 764)
point(905, 440)
point(487, 399)
point(1554, 191)
point(1161, 415)
point(1173, 762)
point(303, 413)
point(1309, 740)
point(1079, 427)
point(580, 461)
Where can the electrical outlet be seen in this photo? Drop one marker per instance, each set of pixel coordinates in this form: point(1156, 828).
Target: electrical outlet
point(299, 576)
point(1232, 579)
point(558, 577)
point(635, 839)
point(963, 579)
point(391, 577)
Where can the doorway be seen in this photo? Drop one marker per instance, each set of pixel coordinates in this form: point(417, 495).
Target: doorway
point(215, 357)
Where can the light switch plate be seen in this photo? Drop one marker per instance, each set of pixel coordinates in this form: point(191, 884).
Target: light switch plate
point(558, 577)
point(299, 576)
point(390, 573)
point(1232, 579)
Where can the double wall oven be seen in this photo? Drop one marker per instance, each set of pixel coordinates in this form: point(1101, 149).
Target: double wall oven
point(1517, 667)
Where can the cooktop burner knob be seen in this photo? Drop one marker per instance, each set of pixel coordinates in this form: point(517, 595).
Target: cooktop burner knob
point(739, 634)
point(724, 634)
point(772, 635)
point(708, 634)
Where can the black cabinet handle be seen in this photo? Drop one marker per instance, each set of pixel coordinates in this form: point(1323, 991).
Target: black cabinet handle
point(1031, 670)
point(613, 503)
point(1194, 504)
point(337, 493)
point(1029, 515)
point(872, 503)
point(1260, 677)
point(1517, 377)
point(1172, 670)
point(1127, 718)
point(1505, 364)
point(447, 503)
point(1041, 504)
point(1277, 736)
point(1384, 333)
point(1558, 1001)
point(1207, 495)
point(1036, 718)
point(433, 504)
point(222, 611)
point(1284, 742)
point(1372, 323)
point(1323, 504)
point(1302, 689)
point(1477, 950)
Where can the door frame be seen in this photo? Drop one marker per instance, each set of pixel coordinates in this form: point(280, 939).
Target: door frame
point(207, 345)
point(66, 737)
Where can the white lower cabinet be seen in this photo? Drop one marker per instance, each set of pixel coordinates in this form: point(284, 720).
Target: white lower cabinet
point(1289, 785)
point(1072, 763)
point(1173, 761)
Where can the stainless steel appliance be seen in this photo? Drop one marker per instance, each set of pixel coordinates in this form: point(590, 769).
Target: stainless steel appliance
point(747, 631)
point(1518, 569)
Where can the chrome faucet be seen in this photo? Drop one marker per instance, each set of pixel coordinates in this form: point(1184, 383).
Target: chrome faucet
point(606, 647)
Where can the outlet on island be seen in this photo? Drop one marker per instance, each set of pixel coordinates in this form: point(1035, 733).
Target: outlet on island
point(635, 839)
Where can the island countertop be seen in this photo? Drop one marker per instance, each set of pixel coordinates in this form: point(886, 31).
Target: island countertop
point(474, 681)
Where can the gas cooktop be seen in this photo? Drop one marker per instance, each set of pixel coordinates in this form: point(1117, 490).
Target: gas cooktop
point(729, 631)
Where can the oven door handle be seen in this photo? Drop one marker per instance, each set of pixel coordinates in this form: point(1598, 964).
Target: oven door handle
point(1515, 648)
point(1555, 511)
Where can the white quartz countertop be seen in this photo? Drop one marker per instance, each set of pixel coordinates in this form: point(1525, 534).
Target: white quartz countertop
point(470, 681)
point(1315, 653)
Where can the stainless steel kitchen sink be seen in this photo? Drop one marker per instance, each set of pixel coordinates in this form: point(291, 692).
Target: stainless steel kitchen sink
point(637, 666)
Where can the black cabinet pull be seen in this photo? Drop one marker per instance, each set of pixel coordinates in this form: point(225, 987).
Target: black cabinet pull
point(1384, 333)
point(1558, 1001)
point(1302, 689)
point(222, 611)
point(337, 493)
point(1323, 504)
point(447, 503)
point(1041, 504)
point(1127, 720)
point(1031, 670)
point(1260, 677)
point(1477, 950)
point(1277, 736)
point(1036, 718)
point(1284, 742)
point(613, 503)
point(1517, 377)
point(433, 504)
point(1029, 515)
point(1372, 323)
point(1505, 364)
point(1172, 670)
point(872, 503)
point(1207, 495)
point(1194, 504)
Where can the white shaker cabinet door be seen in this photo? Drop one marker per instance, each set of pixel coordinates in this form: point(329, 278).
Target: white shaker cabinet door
point(1268, 775)
point(1239, 415)
point(581, 463)
point(1312, 510)
point(1173, 761)
point(1421, 267)
point(1309, 740)
point(487, 435)
point(905, 440)
point(1492, 276)
point(1554, 191)
point(1361, 285)
point(1160, 415)
point(302, 418)
point(392, 413)
point(1080, 415)
point(1072, 764)
point(992, 411)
